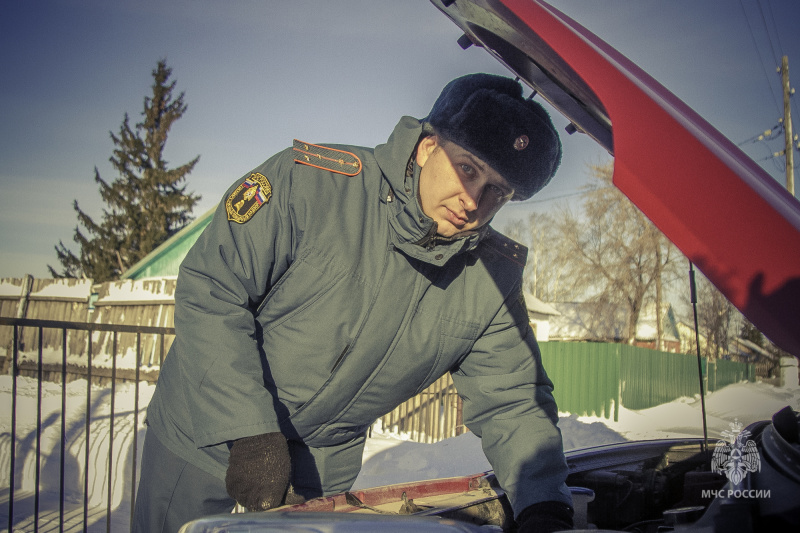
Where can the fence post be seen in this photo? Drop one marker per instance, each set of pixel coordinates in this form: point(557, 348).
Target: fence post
point(618, 402)
point(22, 307)
point(712, 376)
point(25, 296)
point(459, 415)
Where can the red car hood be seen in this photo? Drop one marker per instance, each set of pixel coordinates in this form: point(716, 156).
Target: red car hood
point(726, 214)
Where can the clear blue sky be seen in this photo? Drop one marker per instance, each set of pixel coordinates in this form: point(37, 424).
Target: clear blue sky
point(259, 73)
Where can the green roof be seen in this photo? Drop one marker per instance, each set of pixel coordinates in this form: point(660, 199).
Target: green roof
point(165, 260)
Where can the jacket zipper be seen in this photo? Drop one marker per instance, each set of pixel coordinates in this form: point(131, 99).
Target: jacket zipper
point(428, 241)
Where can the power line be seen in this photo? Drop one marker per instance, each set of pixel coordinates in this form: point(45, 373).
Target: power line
point(781, 49)
point(775, 54)
point(778, 107)
point(770, 31)
point(793, 103)
point(550, 199)
point(773, 133)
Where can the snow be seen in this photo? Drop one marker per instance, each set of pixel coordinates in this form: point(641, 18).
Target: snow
point(152, 290)
point(8, 289)
point(70, 289)
point(75, 453)
point(389, 457)
point(53, 356)
point(65, 288)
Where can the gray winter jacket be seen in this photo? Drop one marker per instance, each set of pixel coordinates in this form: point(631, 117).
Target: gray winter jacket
point(328, 300)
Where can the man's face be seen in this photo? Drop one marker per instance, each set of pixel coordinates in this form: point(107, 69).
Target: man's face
point(457, 189)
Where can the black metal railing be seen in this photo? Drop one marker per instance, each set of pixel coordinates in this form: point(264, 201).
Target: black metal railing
point(91, 372)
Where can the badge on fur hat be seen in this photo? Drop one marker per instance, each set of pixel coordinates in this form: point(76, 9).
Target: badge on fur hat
point(248, 198)
point(488, 116)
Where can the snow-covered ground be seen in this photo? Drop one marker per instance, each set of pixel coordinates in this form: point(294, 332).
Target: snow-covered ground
point(388, 457)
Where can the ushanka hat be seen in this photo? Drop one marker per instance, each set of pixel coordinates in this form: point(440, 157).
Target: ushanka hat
point(487, 115)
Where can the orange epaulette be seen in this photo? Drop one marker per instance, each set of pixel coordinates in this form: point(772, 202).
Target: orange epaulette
point(326, 158)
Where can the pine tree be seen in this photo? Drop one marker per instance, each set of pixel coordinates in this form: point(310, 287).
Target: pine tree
point(146, 204)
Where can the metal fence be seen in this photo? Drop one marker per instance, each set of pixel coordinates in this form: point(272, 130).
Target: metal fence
point(89, 466)
point(595, 379)
point(74, 441)
point(101, 422)
point(142, 303)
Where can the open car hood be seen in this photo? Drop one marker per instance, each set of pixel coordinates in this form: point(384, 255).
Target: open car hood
point(725, 213)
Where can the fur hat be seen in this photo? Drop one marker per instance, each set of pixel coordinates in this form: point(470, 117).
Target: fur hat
point(487, 115)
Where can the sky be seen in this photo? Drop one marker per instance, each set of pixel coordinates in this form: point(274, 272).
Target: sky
point(257, 74)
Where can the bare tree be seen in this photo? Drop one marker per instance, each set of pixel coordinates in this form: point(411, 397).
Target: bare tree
point(547, 269)
point(609, 256)
point(717, 318)
point(613, 260)
point(625, 253)
point(617, 256)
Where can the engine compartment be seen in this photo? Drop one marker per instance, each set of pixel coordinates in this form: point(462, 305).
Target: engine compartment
point(670, 485)
point(674, 486)
point(750, 483)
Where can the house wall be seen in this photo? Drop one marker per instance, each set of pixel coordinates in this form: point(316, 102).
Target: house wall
point(673, 346)
point(541, 329)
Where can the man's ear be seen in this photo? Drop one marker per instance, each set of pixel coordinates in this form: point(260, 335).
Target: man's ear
point(425, 148)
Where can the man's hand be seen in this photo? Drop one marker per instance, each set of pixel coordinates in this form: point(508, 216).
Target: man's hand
point(545, 517)
point(258, 471)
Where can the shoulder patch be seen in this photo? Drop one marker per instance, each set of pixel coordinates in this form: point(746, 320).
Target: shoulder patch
point(508, 248)
point(248, 198)
point(331, 159)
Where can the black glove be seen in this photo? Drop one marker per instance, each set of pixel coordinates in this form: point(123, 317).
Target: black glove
point(545, 517)
point(258, 471)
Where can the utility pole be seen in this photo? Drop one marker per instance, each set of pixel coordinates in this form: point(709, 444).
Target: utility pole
point(787, 125)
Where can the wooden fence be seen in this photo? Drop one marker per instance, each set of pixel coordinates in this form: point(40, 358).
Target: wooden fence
point(431, 416)
point(147, 303)
point(590, 378)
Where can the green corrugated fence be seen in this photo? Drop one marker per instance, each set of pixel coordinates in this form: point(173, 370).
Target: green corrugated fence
point(586, 376)
point(594, 379)
point(649, 377)
point(726, 372)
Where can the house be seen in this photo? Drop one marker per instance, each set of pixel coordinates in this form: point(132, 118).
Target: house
point(539, 314)
point(593, 322)
point(690, 339)
point(646, 332)
point(586, 321)
point(768, 364)
point(166, 258)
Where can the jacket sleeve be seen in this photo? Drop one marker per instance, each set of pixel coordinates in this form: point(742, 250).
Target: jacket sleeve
point(221, 282)
point(508, 403)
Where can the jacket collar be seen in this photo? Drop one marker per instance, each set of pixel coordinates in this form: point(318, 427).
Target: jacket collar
point(414, 233)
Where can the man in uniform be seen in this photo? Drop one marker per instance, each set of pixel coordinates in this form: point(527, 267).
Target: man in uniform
point(336, 282)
